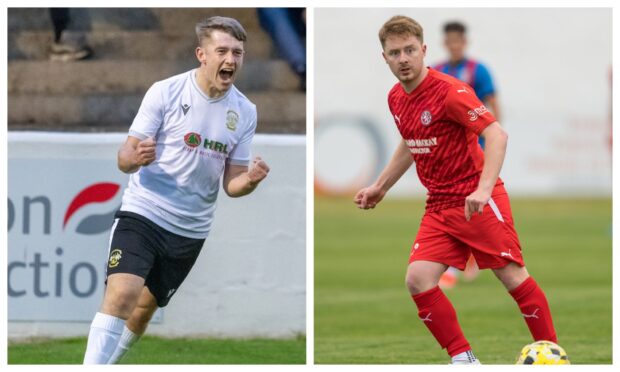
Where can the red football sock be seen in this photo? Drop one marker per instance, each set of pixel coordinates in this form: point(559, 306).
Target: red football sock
point(535, 310)
point(438, 314)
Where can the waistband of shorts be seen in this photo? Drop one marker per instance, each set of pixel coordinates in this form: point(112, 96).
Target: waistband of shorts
point(498, 190)
point(153, 225)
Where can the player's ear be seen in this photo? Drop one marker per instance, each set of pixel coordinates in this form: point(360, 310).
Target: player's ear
point(200, 54)
point(384, 58)
point(424, 50)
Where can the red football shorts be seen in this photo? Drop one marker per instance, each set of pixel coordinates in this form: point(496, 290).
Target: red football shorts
point(447, 237)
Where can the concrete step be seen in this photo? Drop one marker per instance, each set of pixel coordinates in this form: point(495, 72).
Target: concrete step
point(278, 112)
point(131, 76)
point(121, 44)
point(168, 20)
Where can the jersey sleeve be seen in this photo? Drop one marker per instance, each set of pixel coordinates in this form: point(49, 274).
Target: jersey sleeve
point(484, 83)
point(390, 102)
point(240, 155)
point(465, 108)
point(150, 116)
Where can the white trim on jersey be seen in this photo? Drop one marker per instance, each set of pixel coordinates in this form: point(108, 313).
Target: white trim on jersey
point(110, 242)
point(495, 210)
point(112, 235)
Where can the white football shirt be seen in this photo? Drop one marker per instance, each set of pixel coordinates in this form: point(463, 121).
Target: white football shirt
point(195, 137)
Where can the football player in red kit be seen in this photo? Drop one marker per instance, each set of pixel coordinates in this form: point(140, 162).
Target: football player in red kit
point(467, 209)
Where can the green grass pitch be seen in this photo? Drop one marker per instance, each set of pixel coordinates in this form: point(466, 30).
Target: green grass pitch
point(364, 314)
point(155, 350)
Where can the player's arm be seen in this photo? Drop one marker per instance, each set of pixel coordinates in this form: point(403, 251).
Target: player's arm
point(239, 180)
point(492, 101)
point(495, 139)
point(369, 197)
point(485, 88)
point(135, 153)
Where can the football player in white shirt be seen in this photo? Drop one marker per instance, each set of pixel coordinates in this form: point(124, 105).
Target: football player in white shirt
point(192, 130)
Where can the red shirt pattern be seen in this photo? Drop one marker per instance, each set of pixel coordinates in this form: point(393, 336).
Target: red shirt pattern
point(440, 122)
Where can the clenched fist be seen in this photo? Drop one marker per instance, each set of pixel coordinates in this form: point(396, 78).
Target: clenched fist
point(369, 197)
point(258, 171)
point(145, 152)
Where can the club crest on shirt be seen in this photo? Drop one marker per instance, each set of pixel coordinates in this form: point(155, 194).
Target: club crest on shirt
point(426, 117)
point(115, 257)
point(232, 118)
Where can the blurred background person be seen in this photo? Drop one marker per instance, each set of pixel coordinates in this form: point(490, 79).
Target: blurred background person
point(67, 46)
point(467, 69)
point(477, 75)
point(287, 29)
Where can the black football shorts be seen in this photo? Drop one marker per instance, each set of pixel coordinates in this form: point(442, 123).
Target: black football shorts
point(138, 246)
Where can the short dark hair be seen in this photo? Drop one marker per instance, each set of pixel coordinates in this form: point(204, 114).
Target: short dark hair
point(454, 26)
point(229, 25)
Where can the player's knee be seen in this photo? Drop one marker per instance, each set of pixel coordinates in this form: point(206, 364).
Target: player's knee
point(140, 318)
point(416, 283)
point(143, 314)
point(120, 304)
point(512, 275)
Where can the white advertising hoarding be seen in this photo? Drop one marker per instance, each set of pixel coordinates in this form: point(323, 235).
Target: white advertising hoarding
point(60, 211)
point(63, 190)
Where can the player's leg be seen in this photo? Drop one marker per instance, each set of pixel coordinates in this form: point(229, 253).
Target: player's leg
point(432, 252)
point(136, 325)
point(531, 300)
point(436, 310)
point(423, 275)
point(142, 314)
point(130, 259)
point(495, 244)
point(121, 296)
point(165, 277)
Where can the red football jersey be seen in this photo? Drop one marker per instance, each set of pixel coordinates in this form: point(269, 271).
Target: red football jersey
point(440, 122)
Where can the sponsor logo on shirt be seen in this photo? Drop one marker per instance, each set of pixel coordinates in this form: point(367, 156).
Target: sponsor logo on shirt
point(477, 112)
point(216, 146)
point(421, 146)
point(426, 118)
point(232, 118)
point(192, 139)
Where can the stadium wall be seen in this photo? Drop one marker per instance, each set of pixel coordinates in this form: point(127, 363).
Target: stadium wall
point(552, 70)
point(63, 188)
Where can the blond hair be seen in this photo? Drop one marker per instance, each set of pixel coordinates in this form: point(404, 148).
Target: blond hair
point(402, 26)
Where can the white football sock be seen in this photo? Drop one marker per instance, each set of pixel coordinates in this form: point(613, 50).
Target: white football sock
point(466, 357)
point(128, 338)
point(105, 331)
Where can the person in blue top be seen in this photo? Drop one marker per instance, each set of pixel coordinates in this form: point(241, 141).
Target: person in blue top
point(466, 69)
point(477, 75)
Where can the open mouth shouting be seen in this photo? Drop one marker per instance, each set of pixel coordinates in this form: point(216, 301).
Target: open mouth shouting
point(226, 74)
